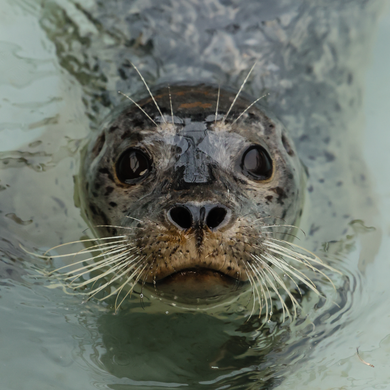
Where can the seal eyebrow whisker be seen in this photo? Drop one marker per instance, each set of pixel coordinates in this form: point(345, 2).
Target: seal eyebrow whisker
point(238, 93)
point(137, 105)
point(150, 92)
point(216, 108)
point(170, 103)
point(252, 104)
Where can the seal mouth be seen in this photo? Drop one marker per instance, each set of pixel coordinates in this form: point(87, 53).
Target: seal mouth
point(196, 283)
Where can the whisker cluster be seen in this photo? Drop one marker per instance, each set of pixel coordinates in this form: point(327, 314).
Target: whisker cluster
point(108, 263)
point(276, 268)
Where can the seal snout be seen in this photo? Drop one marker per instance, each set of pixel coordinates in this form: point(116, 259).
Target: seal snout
point(187, 216)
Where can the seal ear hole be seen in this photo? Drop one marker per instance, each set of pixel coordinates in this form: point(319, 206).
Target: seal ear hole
point(181, 217)
point(99, 145)
point(256, 163)
point(132, 166)
point(287, 145)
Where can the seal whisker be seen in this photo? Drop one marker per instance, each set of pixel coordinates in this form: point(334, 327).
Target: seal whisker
point(132, 287)
point(102, 255)
point(217, 106)
point(238, 93)
point(112, 280)
point(137, 105)
point(263, 295)
point(283, 266)
point(252, 283)
point(170, 104)
point(261, 97)
point(96, 266)
point(280, 281)
point(79, 242)
point(116, 277)
point(119, 261)
point(150, 92)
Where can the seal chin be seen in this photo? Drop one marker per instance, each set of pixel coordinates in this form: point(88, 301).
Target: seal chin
point(196, 284)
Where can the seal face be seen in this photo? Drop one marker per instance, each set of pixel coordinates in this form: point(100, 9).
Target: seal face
point(192, 190)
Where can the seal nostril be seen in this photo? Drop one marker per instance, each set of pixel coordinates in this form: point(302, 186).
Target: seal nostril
point(181, 217)
point(215, 217)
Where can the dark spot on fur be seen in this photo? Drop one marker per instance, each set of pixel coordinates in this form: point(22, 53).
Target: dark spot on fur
point(112, 129)
point(105, 171)
point(95, 194)
point(113, 204)
point(313, 229)
point(108, 190)
point(97, 186)
point(329, 156)
point(281, 194)
point(269, 198)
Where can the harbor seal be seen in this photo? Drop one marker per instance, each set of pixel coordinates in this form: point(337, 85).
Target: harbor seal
point(314, 90)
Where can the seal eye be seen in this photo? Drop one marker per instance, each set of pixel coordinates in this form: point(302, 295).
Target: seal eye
point(132, 166)
point(256, 163)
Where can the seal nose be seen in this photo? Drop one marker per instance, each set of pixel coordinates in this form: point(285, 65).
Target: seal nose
point(186, 216)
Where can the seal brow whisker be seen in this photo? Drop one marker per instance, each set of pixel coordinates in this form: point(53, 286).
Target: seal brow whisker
point(170, 103)
point(136, 104)
point(238, 93)
point(150, 92)
point(252, 104)
point(217, 106)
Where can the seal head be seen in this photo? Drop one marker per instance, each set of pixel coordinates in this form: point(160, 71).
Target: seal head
point(193, 183)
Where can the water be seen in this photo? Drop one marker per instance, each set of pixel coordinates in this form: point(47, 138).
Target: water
point(49, 339)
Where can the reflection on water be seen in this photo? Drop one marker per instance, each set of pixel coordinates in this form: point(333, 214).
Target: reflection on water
point(53, 88)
